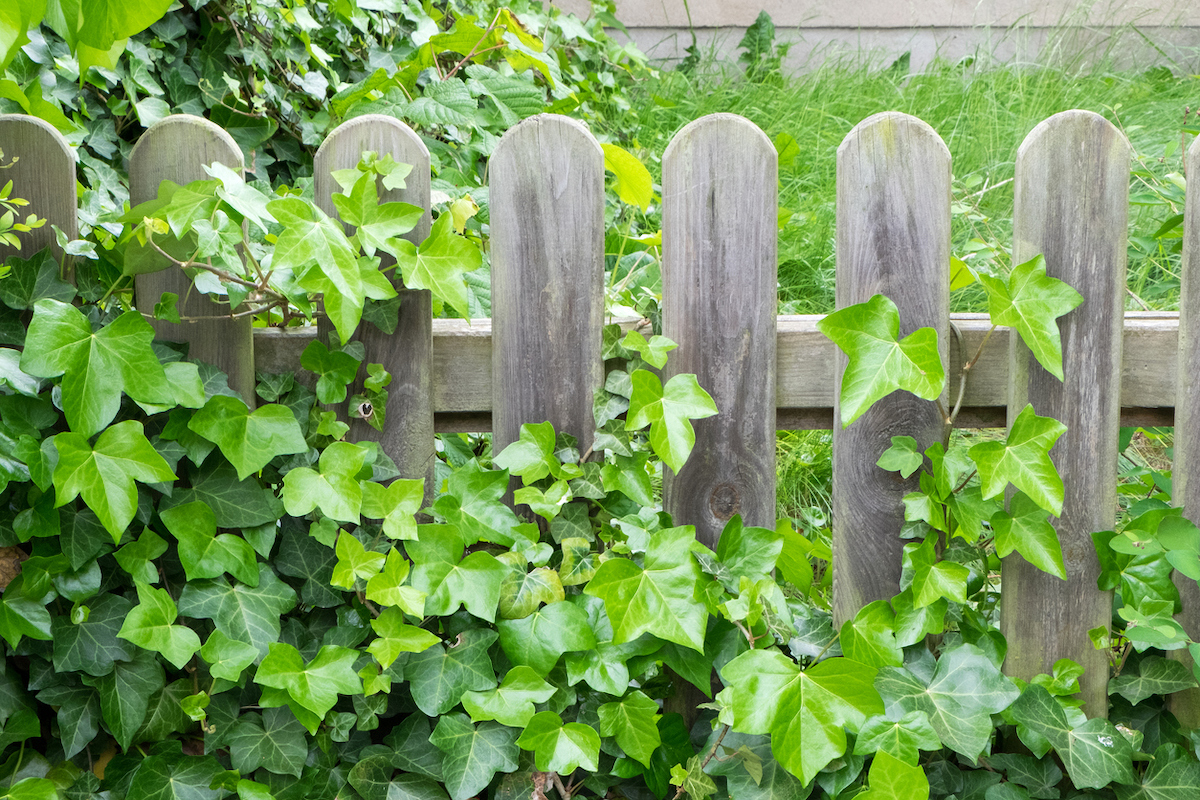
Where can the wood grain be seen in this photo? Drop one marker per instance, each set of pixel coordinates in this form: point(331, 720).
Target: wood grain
point(177, 149)
point(42, 171)
point(1071, 205)
point(719, 298)
point(1186, 486)
point(408, 435)
point(893, 238)
point(547, 227)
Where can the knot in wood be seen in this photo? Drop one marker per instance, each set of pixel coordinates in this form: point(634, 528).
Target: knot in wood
point(724, 501)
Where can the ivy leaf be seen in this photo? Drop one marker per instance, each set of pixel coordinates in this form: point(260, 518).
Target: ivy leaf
point(449, 580)
point(335, 370)
point(903, 456)
point(335, 489)
point(249, 439)
point(376, 222)
point(439, 263)
point(1155, 676)
point(541, 638)
point(633, 720)
point(273, 740)
point(747, 550)
point(559, 747)
point(805, 711)
point(22, 616)
point(31, 789)
point(880, 362)
point(315, 685)
point(174, 776)
point(668, 410)
point(511, 703)
point(354, 562)
point(78, 714)
point(96, 367)
point(33, 280)
point(441, 675)
point(1095, 753)
point(1026, 529)
point(150, 626)
point(933, 579)
point(125, 694)
point(235, 503)
point(870, 637)
point(902, 738)
point(227, 657)
point(105, 474)
point(522, 592)
point(396, 637)
point(1172, 774)
point(892, 779)
point(395, 504)
point(1023, 460)
point(473, 505)
point(959, 698)
point(531, 457)
point(387, 587)
point(203, 552)
point(657, 598)
point(473, 754)
point(92, 646)
point(1031, 303)
point(249, 614)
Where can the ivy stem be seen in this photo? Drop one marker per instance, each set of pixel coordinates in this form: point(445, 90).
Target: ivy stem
point(563, 791)
point(712, 752)
point(836, 636)
point(475, 48)
point(960, 486)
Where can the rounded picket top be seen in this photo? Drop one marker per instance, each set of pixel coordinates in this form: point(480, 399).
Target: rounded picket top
point(380, 134)
point(722, 127)
point(893, 131)
point(1080, 129)
point(546, 200)
point(178, 148)
point(41, 166)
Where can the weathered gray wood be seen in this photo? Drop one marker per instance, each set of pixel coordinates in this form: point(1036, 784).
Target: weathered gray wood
point(462, 370)
point(1071, 205)
point(893, 238)
point(719, 298)
point(177, 149)
point(43, 172)
point(547, 224)
point(407, 354)
point(1186, 487)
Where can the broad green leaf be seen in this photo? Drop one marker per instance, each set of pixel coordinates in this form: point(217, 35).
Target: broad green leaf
point(334, 489)
point(315, 685)
point(748, 551)
point(806, 711)
point(474, 754)
point(656, 598)
point(668, 410)
point(903, 738)
point(92, 646)
point(335, 370)
point(531, 457)
point(1023, 459)
point(395, 504)
point(137, 557)
point(752, 773)
point(174, 776)
point(33, 280)
point(1155, 676)
point(441, 675)
point(150, 625)
point(559, 747)
point(125, 694)
point(226, 657)
point(388, 589)
point(1031, 303)
point(654, 351)
point(302, 556)
point(903, 456)
point(959, 698)
point(396, 637)
point(249, 439)
point(22, 616)
point(96, 367)
point(540, 639)
point(235, 503)
point(78, 714)
point(473, 505)
point(273, 740)
point(634, 184)
point(1026, 529)
point(1095, 753)
point(355, 562)
point(879, 361)
point(511, 703)
point(870, 637)
point(1172, 774)
point(439, 263)
point(892, 779)
point(633, 720)
point(105, 475)
point(449, 580)
point(203, 552)
point(933, 579)
point(376, 222)
point(249, 614)
point(31, 789)
point(100, 23)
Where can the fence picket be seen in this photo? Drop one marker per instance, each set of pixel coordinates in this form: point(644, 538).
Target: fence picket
point(177, 149)
point(720, 198)
point(43, 174)
point(407, 354)
point(893, 237)
point(547, 225)
point(1186, 490)
point(1071, 205)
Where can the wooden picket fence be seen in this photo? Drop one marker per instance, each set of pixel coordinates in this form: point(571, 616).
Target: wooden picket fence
point(539, 357)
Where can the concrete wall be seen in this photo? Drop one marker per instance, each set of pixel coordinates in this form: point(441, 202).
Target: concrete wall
point(953, 29)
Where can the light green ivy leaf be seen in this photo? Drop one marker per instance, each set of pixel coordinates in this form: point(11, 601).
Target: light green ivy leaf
point(1030, 303)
